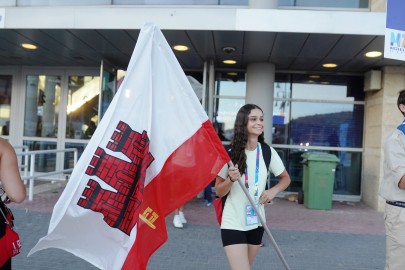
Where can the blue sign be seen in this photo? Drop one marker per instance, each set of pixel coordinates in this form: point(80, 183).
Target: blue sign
point(395, 30)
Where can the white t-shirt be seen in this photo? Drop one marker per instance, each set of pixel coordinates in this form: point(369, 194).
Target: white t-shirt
point(234, 214)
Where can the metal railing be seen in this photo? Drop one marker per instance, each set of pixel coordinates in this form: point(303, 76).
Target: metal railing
point(28, 167)
point(22, 160)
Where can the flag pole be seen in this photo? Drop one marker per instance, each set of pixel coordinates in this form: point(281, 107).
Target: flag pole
point(262, 221)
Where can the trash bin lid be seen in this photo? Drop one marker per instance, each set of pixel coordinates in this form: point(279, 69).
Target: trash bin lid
point(320, 156)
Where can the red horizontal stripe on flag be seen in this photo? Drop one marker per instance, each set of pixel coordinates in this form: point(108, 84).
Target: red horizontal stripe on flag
point(186, 172)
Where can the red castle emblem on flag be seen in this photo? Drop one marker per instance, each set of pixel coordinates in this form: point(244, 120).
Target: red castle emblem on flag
point(120, 208)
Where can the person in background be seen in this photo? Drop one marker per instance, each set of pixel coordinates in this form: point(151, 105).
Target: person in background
point(333, 140)
point(208, 194)
point(90, 130)
point(179, 218)
point(4, 130)
point(392, 190)
point(12, 186)
point(241, 230)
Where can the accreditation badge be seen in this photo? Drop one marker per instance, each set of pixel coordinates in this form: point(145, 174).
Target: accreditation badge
point(251, 215)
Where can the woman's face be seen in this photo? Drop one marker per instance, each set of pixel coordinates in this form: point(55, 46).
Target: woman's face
point(255, 123)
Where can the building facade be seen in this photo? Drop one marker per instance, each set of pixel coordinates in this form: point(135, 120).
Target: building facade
point(272, 53)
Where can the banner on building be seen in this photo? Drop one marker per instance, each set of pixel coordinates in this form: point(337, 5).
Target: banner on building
point(395, 30)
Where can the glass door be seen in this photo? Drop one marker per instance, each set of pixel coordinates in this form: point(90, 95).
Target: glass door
point(41, 116)
point(82, 106)
point(108, 86)
point(5, 104)
point(82, 111)
point(60, 111)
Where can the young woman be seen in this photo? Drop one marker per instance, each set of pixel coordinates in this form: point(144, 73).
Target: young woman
point(241, 230)
point(11, 184)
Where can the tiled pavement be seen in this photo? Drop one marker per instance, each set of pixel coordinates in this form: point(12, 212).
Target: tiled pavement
point(350, 236)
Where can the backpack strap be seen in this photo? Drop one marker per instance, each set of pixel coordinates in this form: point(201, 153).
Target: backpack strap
point(266, 151)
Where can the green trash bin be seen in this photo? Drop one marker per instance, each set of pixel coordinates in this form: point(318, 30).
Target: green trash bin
point(318, 179)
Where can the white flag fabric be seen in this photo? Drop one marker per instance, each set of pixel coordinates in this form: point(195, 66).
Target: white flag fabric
point(154, 150)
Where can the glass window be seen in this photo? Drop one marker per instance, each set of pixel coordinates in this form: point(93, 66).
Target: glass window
point(230, 96)
point(229, 88)
point(225, 116)
point(347, 173)
point(108, 90)
point(325, 3)
point(315, 114)
point(5, 103)
point(69, 156)
point(62, 2)
point(325, 124)
point(43, 162)
point(325, 111)
point(82, 106)
point(320, 92)
point(42, 100)
point(180, 2)
point(128, 2)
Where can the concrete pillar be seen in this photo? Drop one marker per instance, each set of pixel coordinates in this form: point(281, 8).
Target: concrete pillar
point(263, 4)
point(260, 91)
point(48, 123)
point(378, 5)
point(31, 106)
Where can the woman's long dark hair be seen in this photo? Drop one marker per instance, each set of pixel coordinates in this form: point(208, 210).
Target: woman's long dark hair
point(401, 100)
point(240, 136)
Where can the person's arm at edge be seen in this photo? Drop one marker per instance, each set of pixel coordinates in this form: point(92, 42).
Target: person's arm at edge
point(9, 174)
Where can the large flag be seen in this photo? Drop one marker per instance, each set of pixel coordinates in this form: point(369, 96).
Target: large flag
point(395, 30)
point(154, 150)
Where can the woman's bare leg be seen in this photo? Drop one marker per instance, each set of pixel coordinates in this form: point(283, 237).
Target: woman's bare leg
point(238, 256)
point(252, 252)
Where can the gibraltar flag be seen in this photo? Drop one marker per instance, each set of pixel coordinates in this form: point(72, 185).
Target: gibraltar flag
point(154, 150)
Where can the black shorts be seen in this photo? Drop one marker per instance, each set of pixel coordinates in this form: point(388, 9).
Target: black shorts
point(233, 237)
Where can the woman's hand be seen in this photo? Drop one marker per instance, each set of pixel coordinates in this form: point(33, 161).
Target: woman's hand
point(233, 173)
point(222, 186)
point(267, 196)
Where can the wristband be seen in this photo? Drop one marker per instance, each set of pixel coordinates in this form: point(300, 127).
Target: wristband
point(233, 181)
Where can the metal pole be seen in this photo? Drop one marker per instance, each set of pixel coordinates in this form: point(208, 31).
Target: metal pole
point(32, 178)
point(262, 221)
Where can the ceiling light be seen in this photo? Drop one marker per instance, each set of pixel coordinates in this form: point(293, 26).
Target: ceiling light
point(329, 65)
point(373, 54)
point(229, 62)
point(29, 46)
point(314, 76)
point(232, 73)
point(180, 48)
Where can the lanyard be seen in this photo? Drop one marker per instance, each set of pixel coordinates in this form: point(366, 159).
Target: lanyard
point(256, 174)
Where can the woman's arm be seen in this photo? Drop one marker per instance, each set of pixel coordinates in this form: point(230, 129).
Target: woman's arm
point(283, 183)
point(223, 186)
point(9, 173)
